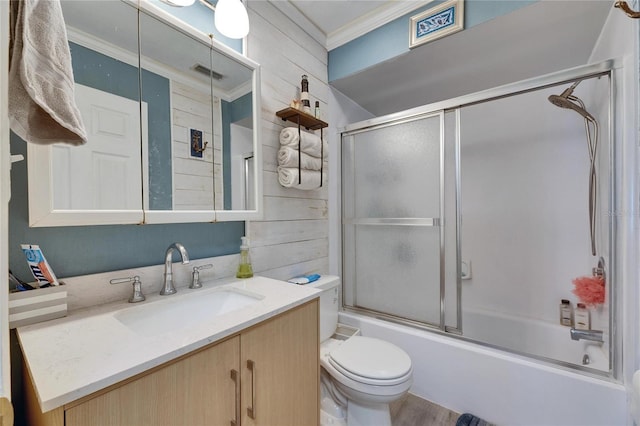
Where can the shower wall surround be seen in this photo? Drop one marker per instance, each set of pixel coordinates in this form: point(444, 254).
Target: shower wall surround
point(524, 182)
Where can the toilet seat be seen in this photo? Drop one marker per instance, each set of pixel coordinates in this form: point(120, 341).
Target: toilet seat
point(371, 361)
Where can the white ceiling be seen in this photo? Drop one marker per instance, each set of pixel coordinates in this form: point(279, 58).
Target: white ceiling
point(335, 22)
point(330, 16)
point(538, 39)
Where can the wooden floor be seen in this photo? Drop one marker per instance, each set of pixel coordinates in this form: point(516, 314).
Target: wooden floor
point(414, 411)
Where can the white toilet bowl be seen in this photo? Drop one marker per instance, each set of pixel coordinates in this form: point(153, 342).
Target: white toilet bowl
point(368, 374)
point(360, 375)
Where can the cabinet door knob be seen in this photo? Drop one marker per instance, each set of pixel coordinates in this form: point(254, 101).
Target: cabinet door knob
point(234, 377)
point(251, 411)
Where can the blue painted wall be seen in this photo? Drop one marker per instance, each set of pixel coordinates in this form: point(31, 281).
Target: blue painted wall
point(79, 250)
point(392, 39)
point(156, 92)
point(90, 249)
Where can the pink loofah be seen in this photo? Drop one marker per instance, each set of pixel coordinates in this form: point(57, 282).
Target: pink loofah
point(590, 290)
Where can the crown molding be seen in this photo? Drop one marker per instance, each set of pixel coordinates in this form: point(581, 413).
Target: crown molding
point(370, 21)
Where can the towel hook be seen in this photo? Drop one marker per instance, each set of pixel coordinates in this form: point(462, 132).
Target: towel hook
point(624, 6)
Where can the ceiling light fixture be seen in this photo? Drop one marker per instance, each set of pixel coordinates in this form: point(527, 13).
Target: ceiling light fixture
point(231, 18)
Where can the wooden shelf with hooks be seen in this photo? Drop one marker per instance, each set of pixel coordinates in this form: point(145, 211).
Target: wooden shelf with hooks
point(305, 120)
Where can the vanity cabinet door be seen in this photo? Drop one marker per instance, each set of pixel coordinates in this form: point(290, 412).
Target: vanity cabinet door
point(196, 390)
point(280, 370)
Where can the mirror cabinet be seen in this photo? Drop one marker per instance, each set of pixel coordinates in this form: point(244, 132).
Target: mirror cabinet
point(173, 123)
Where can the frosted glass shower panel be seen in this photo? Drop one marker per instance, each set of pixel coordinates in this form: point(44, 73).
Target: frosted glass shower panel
point(392, 209)
point(397, 271)
point(397, 170)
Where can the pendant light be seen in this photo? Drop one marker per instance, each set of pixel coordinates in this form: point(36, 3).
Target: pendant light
point(231, 18)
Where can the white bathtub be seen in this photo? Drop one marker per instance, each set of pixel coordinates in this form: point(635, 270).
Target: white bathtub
point(533, 337)
point(500, 387)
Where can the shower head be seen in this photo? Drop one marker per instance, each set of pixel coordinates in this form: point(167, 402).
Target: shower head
point(568, 101)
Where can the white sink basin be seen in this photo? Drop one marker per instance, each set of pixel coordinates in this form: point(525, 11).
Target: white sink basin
point(174, 314)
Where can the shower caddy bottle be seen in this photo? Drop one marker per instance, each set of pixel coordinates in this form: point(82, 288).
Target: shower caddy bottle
point(566, 311)
point(582, 321)
point(244, 269)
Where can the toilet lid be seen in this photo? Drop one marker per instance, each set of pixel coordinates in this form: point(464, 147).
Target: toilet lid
point(371, 358)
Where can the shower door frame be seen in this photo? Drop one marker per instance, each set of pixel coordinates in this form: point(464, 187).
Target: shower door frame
point(606, 68)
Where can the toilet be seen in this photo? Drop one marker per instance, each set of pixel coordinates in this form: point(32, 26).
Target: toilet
point(360, 376)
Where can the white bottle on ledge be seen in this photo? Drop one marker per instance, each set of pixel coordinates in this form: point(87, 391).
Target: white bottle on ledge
point(581, 317)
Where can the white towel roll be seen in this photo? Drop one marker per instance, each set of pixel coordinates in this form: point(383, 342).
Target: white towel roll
point(311, 144)
point(288, 157)
point(288, 177)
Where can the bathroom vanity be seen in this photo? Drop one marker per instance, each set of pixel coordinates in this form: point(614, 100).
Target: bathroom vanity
point(255, 361)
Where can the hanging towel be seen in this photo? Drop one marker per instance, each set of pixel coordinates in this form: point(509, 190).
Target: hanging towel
point(288, 157)
point(311, 144)
point(42, 107)
point(288, 177)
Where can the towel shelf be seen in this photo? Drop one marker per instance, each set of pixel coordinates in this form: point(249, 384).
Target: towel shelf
point(309, 122)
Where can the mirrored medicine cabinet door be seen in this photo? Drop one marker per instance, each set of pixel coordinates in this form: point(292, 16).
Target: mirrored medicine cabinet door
point(170, 115)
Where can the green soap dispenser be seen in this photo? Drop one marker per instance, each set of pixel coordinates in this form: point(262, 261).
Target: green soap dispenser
point(244, 269)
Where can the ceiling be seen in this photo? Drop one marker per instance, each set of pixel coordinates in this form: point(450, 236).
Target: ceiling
point(340, 21)
point(330, 16)
point(537, 39)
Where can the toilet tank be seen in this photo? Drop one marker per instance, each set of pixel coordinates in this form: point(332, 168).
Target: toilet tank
point(329, 300)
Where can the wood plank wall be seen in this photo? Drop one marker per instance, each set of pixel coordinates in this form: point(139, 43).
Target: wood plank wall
point(293, 237)
point(193, 177)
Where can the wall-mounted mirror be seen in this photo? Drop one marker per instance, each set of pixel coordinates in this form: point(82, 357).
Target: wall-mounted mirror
point(170, 114)
point(98, 182)
point(203, 100)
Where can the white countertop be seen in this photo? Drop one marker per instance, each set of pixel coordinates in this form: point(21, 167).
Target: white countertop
point(72, 357)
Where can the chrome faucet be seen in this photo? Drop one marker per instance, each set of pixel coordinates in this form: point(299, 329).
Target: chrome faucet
point(593, 335)
point(167, 287)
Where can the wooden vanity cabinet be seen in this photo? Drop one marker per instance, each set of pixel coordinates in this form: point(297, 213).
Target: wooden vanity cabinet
point(277, 383)
point(196, 390)
point(282, 388)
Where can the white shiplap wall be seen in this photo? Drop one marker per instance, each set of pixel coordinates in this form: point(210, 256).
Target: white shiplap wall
point(192, 176)
point(292, 238)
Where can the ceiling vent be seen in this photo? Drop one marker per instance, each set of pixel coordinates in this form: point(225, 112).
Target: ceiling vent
point(206, 71)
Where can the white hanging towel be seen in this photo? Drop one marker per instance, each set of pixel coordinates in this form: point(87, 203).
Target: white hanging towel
point(288, 157)
point(288, 177)
point(42, 106)
point(311, 144)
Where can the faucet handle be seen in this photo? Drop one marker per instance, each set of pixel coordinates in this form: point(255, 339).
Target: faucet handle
point(195, 276)
point(137, 295)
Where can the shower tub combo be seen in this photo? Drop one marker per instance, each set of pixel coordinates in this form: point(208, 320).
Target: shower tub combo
point(516, 169)
point(501, 387)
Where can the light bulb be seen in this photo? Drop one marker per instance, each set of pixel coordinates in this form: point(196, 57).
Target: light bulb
point(179, 3)
point(231, 18)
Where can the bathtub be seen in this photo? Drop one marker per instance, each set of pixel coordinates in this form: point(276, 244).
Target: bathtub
point(500, 387)
point(534, 337)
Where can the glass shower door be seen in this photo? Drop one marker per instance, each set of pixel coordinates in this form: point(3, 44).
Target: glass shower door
point(392, 210)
